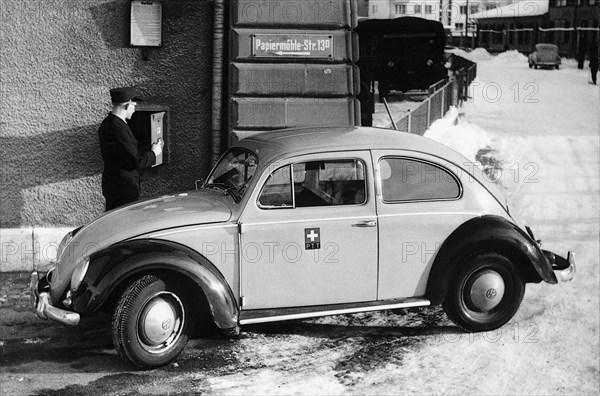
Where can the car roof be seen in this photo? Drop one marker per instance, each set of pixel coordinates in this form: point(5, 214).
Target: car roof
point(275, 145)
point(546, 46)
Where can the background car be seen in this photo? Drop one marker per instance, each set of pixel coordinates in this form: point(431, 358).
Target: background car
point(295, 224)
point(545, 55)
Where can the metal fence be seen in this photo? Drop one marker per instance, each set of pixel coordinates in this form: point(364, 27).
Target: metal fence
point(441, 96)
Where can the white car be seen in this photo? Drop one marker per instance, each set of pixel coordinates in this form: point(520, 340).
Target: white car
point(295, 224)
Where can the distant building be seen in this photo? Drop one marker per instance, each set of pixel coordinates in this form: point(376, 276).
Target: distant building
point(389, 9)
point(451, 13)
point(570, 24)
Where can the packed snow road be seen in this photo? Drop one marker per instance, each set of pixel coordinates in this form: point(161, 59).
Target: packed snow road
point(537, 132)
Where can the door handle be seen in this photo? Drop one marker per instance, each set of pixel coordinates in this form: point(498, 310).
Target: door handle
point(366, 223)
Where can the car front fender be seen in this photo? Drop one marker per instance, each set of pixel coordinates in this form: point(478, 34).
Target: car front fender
point(487, 233)
point(115, 266)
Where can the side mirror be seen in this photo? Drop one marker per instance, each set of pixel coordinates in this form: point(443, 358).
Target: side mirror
point(198, 182)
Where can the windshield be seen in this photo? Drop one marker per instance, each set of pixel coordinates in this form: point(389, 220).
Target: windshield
point(233, 173)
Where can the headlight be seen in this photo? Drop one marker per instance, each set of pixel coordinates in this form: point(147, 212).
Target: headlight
point(79, 273)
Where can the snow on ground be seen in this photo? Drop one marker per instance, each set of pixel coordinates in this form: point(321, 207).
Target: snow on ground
point(463, 136)
point(543, 127)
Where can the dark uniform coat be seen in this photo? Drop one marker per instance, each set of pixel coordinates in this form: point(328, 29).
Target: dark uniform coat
point(120, 179)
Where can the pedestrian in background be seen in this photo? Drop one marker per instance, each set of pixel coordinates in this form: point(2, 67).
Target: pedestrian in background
point(581, 53)
point(119, 147)
point(594, 60)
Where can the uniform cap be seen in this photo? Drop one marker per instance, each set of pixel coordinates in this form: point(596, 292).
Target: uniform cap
point(124, 94)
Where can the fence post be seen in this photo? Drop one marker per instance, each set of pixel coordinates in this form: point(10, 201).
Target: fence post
point(428, 111)
point(444, 100)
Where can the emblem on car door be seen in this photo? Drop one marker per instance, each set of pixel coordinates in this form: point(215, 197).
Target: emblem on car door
point(312, 238)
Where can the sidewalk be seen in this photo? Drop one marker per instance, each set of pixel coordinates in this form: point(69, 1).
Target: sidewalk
point(26, 249)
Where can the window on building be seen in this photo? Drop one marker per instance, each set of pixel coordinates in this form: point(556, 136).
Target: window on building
point(559, 35)
point(510, 34)
point(428, 9)
point(374, 9)
point(400, 9)
point(406, 179)
point(474, 8)
point(463, 10)
point(417, 9)
point(561, 3)
point(497, 37)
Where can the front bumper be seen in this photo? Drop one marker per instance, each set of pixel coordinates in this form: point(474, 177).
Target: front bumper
point(40, 302)
point(564, 268)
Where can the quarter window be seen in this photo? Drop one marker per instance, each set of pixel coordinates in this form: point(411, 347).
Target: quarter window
point(277, 191)
point(315, 183)
point(404, 179)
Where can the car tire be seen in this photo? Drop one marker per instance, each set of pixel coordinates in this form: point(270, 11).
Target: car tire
point(530, 65)
point(557, 67)
point(152, 322)
point(485, 292)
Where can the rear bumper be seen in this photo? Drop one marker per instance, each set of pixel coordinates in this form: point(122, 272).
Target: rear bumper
point(40, 302)
point(548, 63)
point(564, 268)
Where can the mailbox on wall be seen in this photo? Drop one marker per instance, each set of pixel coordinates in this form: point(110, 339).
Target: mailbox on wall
point(148, 124)
point(292, 64)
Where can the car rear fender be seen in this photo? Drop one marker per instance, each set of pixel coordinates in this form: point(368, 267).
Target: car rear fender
point(112, 269)
point(487, 233)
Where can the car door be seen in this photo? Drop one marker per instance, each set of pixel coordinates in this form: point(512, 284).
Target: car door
point(309, 233)
point(420, 202)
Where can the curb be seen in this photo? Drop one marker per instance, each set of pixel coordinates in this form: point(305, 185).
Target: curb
point(30, 248)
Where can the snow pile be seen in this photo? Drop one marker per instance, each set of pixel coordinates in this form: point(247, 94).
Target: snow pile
point(462, 136)
point(513, 56)
point(477, 55)
point(570, 63)
point(458, 52)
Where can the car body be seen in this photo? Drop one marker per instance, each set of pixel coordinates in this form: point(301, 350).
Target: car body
point(545, 55)
point(295, 224)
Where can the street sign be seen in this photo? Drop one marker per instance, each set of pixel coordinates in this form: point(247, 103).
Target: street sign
point(292, 45)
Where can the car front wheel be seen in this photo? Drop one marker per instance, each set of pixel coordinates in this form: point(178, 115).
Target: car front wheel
point(152, 322)
point(485, 292)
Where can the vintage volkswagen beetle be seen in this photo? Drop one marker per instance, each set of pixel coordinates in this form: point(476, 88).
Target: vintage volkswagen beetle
point(296, 224)
point(545, 55)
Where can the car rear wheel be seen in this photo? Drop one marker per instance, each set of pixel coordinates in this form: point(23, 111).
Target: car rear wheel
point(485, 293)
point(152, 322)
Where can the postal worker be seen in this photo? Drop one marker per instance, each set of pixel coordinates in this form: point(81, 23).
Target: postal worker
point(119, 147)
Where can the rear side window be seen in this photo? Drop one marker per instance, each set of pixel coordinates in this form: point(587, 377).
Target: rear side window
point(405, 179)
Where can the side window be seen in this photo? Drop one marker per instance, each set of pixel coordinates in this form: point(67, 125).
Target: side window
point(277, 191)
point(327, 183)
point(404, 179)
point(315, 183)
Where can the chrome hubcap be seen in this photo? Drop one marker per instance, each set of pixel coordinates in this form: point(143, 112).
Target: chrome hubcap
point(487, 290)
point(161, 322)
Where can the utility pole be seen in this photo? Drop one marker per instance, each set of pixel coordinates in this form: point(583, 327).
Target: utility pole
point(467, 22)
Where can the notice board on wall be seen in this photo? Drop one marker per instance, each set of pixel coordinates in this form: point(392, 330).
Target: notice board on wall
point(146, 23)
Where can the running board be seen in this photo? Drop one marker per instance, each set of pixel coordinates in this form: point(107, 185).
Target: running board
point(276, 315)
